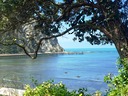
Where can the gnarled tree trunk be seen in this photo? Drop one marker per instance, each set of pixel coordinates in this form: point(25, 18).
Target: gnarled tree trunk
point(121, 44)
point(119, 38)
point(122, 48)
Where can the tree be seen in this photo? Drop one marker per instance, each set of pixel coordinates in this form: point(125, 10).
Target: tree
point(97, 21)
point(109, 17)
point(13, 14)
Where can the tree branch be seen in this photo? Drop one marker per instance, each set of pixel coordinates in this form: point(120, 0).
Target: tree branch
point(25, 51)
point(76, 5)
point(104, 30)
point(46, 38)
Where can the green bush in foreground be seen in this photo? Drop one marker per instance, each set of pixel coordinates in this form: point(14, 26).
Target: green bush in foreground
point(48, 88)
point(118, 85)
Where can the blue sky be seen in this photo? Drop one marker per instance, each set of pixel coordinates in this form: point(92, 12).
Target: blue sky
point(67, 42)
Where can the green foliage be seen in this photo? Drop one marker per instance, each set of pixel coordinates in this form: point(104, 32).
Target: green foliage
point(96, 15)
point(48, 88)
point(118, 85)
point(13, 14)
point(86, 19)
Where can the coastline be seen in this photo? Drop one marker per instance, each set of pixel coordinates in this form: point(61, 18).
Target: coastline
point(6, 55)
point(11, 55)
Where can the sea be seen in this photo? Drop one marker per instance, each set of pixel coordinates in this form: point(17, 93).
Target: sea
point(86, 70)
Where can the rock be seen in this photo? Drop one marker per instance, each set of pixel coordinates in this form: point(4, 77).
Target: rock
point(51, 46)
point(11, 92)
point(34, 35)
point(29, 37)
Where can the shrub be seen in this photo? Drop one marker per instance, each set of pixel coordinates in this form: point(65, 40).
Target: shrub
point(48, 88)
point(118, 85)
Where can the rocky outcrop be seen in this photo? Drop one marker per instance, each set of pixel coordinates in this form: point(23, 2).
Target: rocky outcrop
point(29, 37)
point(32, 36)
point(11, 92)
point(51, 46)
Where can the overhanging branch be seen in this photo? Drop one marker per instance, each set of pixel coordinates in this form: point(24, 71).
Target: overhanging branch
point(76, 5)
point(34, 56)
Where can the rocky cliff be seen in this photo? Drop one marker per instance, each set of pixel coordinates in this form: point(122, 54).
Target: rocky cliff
point(51, 46)
point(28, 36)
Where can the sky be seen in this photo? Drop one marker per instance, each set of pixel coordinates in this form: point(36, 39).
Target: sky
point(66, 41)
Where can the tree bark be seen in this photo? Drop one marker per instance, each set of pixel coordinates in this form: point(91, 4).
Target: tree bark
point(121, 44)
point(122, 48)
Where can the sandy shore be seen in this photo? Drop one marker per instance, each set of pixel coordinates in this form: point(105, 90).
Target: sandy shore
point(11, 92)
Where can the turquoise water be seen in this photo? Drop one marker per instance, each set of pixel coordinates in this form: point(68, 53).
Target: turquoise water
point(75, 70)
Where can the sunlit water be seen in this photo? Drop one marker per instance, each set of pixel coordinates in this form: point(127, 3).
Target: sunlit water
point(75, 70)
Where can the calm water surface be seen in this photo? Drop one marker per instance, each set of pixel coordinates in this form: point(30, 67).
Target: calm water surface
point(75, 70)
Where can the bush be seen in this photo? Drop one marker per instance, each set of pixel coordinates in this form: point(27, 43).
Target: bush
point(118, 85)
point(48, 88)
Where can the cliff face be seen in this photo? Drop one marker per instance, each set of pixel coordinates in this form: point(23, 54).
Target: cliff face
point(51, 46)
point(32, 36)
point(28, 36)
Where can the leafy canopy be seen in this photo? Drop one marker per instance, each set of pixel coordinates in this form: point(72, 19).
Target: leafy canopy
point(97, 21)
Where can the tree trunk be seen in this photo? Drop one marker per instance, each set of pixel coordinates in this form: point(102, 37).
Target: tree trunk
point(121, 44)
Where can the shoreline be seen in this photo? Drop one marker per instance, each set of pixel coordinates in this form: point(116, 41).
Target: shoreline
point(6, 55)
